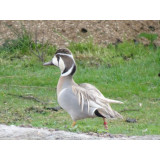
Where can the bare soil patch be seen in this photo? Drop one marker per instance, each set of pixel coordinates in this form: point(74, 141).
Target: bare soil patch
point(59, 33)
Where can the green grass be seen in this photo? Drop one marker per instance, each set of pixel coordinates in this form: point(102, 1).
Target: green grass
point(128, 72)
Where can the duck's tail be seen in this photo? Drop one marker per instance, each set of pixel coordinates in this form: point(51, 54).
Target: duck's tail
point(108, 112)
point(113, 101)
point(117, 115)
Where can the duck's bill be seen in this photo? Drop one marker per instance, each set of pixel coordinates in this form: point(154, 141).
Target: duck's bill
point(48, 63)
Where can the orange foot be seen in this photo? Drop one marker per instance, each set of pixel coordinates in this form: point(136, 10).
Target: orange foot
point(73, 124)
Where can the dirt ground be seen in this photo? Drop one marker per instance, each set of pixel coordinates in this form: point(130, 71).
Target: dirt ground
point(17, 133)
point(59, 33)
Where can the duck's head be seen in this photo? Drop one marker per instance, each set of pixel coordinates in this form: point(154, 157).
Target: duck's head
point(63, 59)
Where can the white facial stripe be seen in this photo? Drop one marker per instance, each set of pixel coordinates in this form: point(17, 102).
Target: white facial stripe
point(55, 61)
point(69, 55)
point(68, 72)
point(61, 64)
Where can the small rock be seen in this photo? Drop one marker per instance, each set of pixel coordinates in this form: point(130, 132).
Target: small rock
point(135, 41)
point(111, 136)
point(84, 30)
point(117, 42)
point(109, 65)
point(129, 120)
point(56, 129)
point(152, 28)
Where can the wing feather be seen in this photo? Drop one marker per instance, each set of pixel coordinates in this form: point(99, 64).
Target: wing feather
point(79, 99)
point(95, 99)
point(82, 101)
point(88, 105)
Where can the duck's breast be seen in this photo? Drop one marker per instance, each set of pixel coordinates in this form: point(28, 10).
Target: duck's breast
point(69, 102)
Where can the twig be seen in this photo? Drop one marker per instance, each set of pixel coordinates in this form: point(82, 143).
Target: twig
point(54, 108)
point(155, 99)
point(125, 110)
point(37, 100)
point(39, 51)
point(30, 98)
point(8, 85)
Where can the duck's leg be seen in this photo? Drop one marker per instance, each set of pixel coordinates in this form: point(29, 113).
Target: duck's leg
point(74, 123)
point(105, 123)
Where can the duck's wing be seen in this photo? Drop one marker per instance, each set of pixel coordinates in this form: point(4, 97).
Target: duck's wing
point(94, 98)
point(93, 90)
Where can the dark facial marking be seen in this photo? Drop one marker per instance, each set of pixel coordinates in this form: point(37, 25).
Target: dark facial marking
point(68, 64)
point(67, 61)
point(74, 70)
point(64, 50)
point(57, 56)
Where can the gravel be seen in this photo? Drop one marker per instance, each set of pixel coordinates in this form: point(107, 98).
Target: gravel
point(29, 133)
point(59, 33)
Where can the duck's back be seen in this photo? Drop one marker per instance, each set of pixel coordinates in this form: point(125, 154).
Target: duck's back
point(91, 88)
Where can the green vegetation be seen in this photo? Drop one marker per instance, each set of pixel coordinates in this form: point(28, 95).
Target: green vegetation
point(150, 37)
point(127, 72)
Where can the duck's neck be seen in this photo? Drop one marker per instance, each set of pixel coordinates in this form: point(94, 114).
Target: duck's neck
point(64, 82)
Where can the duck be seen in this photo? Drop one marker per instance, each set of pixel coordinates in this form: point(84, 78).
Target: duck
point(83, 100)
